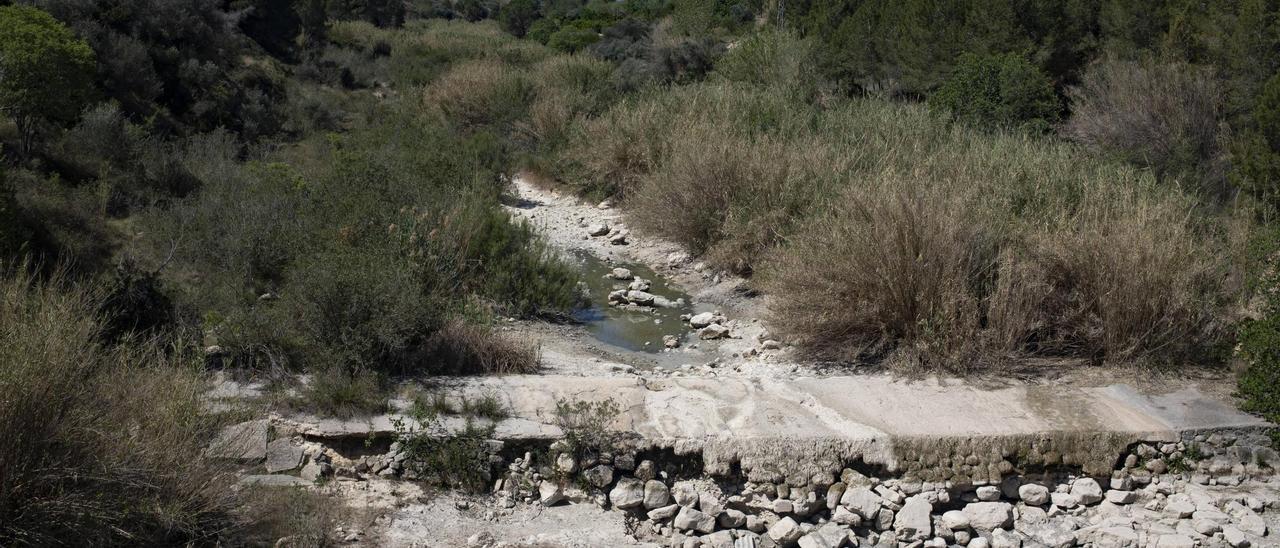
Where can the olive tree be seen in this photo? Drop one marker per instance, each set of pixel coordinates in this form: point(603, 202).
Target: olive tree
point(46, 73)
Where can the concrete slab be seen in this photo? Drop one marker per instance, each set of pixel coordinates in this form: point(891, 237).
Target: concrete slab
point(245, 442)
point(282, 456)
point(772, 428)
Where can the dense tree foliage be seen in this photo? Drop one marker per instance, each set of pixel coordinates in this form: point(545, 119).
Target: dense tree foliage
point(1003, 91)
point(38, 55)
point(1257, 157)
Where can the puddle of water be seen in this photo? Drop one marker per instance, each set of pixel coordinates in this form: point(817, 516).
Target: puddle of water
point(639, 330)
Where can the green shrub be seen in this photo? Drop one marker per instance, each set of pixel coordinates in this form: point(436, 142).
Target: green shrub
point(570, 39)
point(444, 456)
point(773, 59)
point(1259, 348)
point(1256, 158)
point(345, 392)
point(39, 54)
point(353, 258)
point(517, 15)
point(586, 426)
point(998, 91)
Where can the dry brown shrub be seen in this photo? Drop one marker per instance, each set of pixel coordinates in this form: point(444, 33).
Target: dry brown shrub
point(1163, 115)
point(461, 348)
point(103, 445)
point(894, 263)
point(479, 93)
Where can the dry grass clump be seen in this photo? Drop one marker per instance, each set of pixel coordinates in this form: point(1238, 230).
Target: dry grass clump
point(956, 249)
point(480, 93)
point(568, 86)
point(1162, 115)
point(103, 445)
point(460, 40)
point(895, 261)
point(882, 231)
point(615, 151)
point(461, 348)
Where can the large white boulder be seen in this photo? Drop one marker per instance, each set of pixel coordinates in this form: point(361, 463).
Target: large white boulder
point(988, 516)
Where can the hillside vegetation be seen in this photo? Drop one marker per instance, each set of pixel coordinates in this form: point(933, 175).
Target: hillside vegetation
point(309, 194)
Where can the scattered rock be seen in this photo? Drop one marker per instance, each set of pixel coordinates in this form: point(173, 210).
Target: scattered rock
point(699, 321)
point(1234, 537)
point(549, 493)
point(1064, 500)
point(827, 536)
point(628, 493)
point(642, 298)
point(693, 520)
point(597, 230)
point(656, 494)
point(1115, 496)
point(732, 519)
point(785, 532)
point(665, 513)
point(283, 455)
point(684, 493)
point(713, 331)
point(988, 516)
point(1087, 491)
point(1252, 524)
point(861, 501)
point(914, 521)
point(621, 274)
point(843, 516)
point(1034, 495)
point(955, 520)
point(566, 464)
point(600, 476)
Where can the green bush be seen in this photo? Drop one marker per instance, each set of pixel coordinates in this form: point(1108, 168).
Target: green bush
point(1256, 158)
point(517, 15)
point(15, 232)
point(570, 39)
point(1259, 348)
point(773, 59)
point(445, 457)
point(351, 257)
point(37, 52)
point(998, 91)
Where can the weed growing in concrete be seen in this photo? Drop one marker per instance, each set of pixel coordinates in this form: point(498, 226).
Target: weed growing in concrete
point(444, 454)
point(586, 426)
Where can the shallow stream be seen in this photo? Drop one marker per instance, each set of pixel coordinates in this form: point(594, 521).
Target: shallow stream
point(638, 329)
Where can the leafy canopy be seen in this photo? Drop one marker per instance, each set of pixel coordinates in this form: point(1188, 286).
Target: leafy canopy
point(45, 71)
point(998, 91)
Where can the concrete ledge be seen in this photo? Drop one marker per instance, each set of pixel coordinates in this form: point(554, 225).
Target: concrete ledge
point(774, 429)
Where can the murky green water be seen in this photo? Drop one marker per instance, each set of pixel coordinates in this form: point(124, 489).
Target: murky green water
point(640, 330)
